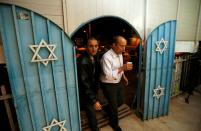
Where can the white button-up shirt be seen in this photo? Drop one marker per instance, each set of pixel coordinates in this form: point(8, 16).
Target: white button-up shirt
point(110, 63)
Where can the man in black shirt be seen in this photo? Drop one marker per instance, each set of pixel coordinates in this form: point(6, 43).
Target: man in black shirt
point(88, 78)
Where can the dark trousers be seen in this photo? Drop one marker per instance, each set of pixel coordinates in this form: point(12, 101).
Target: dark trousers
point(91, 115)
point(115, 96)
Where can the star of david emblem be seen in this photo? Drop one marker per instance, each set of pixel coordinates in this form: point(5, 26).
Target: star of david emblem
point(162, 43)
point(36, 48)
point(158, 92)
point(56, 123)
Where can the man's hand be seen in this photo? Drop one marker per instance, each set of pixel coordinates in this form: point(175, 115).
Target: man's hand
point(97, 106)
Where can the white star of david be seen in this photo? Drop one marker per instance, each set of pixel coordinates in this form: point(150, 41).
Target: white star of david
point(37, 58)
point(158, 43)
point(158, 92)
point(56, 123)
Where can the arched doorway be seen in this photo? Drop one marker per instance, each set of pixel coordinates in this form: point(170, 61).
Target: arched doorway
point(103, 29)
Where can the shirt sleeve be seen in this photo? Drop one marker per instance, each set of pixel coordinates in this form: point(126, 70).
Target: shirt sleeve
point(109, 72)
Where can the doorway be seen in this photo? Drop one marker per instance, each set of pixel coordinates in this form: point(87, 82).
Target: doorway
point(104, 29)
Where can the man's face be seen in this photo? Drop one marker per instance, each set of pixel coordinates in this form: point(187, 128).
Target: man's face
point(120, 46)
point(92, 47)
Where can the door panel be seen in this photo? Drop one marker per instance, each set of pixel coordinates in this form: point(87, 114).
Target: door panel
point(41, 92)
point(159, 58)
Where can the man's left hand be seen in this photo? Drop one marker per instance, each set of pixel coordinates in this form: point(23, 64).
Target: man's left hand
point(97, 106)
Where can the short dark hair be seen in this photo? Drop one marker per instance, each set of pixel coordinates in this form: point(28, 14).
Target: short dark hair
point(91, 38)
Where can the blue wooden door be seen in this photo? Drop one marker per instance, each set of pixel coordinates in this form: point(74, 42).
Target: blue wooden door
point(159, 59)
point(42, 71)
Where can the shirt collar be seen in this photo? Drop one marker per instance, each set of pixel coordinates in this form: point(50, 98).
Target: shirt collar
point(89, 58)
point(113, 53)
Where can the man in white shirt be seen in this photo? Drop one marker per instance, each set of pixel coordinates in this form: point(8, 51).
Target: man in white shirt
point(112, 73)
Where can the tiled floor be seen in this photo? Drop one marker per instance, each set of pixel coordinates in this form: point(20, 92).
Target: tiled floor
point(182, 117)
